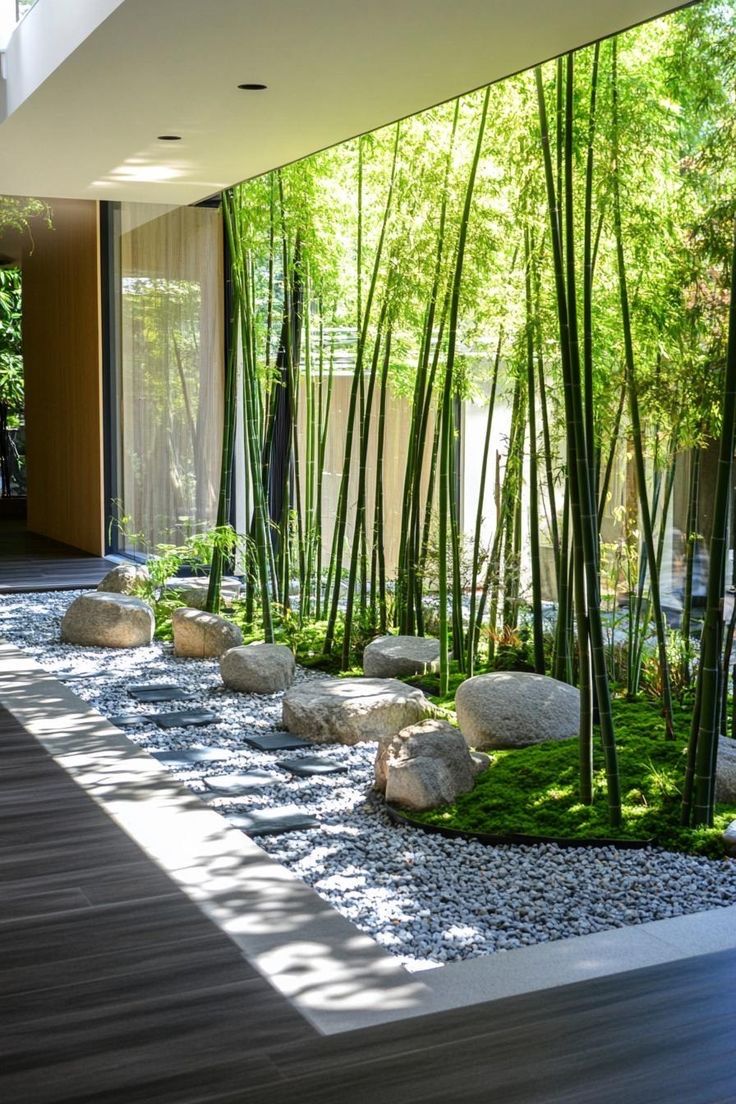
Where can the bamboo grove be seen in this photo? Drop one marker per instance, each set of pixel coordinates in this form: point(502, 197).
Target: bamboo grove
point(554, 255)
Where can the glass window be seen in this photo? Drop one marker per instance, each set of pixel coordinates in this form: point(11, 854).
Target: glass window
point(169, 379)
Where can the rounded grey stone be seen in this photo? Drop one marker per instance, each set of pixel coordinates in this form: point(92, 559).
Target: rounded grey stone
point(258, 668)
point(726, 771)
point(104, 620)
point(424, 766)
point(729, 838)
point(200, 635)
point(124, 579)
point(348, 711)
point(193, 591)
point(399, 656)
point(509, 709)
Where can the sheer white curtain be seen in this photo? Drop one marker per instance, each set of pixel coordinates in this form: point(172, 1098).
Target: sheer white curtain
point(171, 372)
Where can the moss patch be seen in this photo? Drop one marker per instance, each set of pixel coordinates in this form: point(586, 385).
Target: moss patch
point(534, 790)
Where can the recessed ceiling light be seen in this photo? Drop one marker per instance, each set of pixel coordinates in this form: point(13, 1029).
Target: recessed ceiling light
point(169, 137)
point(253, 87)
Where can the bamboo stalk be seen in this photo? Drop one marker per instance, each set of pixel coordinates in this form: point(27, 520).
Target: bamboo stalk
point(581, 506)
point(341, 519)
point(690, 549)
point(447, 392)
point(252, 426)
point(706, 727)
point(636, 429)
point(472, 640)
point(537, 621)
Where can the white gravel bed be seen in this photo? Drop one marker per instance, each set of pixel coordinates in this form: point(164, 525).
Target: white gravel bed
point(426, 899)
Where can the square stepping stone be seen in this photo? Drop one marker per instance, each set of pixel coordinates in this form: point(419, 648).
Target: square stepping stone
point(310, 765)
point(128, 720)
point(188, 756)
point(233, 784)
point(184, 718)
point(270, 822)
point(72, 676)
point(276, 741)
point(161, 693)
point(136, 686)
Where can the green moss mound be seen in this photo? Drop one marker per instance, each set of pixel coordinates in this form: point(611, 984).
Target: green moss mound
point(533, 790)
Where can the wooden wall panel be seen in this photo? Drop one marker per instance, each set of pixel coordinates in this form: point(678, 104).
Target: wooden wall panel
point(62, 355)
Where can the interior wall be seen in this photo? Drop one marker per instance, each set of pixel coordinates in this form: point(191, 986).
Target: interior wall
point(62, 359)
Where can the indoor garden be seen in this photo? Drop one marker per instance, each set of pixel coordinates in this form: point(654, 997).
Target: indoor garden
point(480, 386)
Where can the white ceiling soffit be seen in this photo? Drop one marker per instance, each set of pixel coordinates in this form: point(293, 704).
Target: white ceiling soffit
point(92, 83)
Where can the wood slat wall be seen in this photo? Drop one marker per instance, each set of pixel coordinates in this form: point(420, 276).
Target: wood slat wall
point(62, 356)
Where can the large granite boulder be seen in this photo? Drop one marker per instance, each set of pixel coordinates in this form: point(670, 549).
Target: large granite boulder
point(726, 771)
point(509, 709)
point(104, 620)
point(125, 579)
point(348, 711)
point(258, 668)
point(201, 635)
point(192, 590)
point(424, 766)
point(401, 656)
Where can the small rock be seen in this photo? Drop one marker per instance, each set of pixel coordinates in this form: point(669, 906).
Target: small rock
point(258, 668)
point(424, 766)
point(103, 620)
point(514, 709)
point(729, 838)
point(125, 579)
point(480, 761)
point(401, 656)
point(347, 711)
point(201, 635)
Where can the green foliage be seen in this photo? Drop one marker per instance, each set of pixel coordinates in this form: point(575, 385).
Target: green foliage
point(11, 344)
point(432, 257)
point(11, 370)
point(165, 561)
point(534, 790)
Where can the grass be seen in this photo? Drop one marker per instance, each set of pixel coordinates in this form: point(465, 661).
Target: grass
point(533, 790)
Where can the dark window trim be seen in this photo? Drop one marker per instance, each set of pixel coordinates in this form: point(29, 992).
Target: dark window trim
point(111, 300)
point(111, 350)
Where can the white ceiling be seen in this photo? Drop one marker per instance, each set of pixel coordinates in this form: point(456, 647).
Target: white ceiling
point(86, 125)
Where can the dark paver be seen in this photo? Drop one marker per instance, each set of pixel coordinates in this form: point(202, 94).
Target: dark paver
point(234, 784)
point(184, 718)
point(193, 755)
point(276, 741)
point(273, 821)
point(311, 765)
point(128, 720)
point(161, 693)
